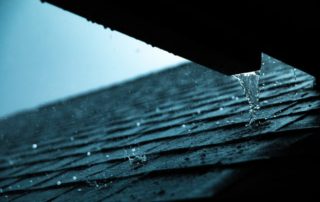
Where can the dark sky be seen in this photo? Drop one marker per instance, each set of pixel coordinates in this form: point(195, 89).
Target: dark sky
point(47, 54)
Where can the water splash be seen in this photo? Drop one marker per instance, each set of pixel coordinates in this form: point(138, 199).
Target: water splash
point(136, 157)
point(294, 73)
point(250, 85)
point(94, 184)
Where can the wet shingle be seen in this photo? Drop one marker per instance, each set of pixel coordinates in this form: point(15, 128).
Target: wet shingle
point(188, 122)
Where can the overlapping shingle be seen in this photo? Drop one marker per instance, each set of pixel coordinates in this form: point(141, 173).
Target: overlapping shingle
point(188, 122)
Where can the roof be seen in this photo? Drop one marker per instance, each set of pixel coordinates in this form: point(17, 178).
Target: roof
point(173, 135)
point(226, 36)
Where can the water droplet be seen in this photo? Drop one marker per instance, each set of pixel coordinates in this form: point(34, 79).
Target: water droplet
point(250, 85)
point(88, 153)
point(218, 122)
point(157, 109)
point(34, 146)
point(234, 98)
point(294, 72)
point(221, 108)
point(58, 182)
point(183, 125)
point(107, 156)
point(31, 181)
point(133, 150)
point(79, 189)
point(74, 177)
point(138, 124)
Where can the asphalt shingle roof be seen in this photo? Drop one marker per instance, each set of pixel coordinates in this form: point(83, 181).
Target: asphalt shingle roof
point(174, 135)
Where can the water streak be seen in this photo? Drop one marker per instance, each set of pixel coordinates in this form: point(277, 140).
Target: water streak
point(250, 85)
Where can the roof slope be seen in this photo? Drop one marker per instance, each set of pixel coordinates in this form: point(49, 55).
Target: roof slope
point(174, 135)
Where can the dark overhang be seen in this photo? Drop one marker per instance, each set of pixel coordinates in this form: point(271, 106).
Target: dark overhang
point(227, 37)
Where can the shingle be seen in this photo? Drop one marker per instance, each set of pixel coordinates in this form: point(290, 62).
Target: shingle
point(187, 124)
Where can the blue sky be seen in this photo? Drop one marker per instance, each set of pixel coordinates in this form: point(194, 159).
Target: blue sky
point(47, 54)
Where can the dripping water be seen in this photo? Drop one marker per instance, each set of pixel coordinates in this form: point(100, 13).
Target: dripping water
point(250, 85)
point(294, 72)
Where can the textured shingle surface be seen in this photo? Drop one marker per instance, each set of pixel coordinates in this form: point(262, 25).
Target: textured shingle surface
point(183, 128)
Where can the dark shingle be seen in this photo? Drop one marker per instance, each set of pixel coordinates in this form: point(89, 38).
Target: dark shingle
point(187, 147)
